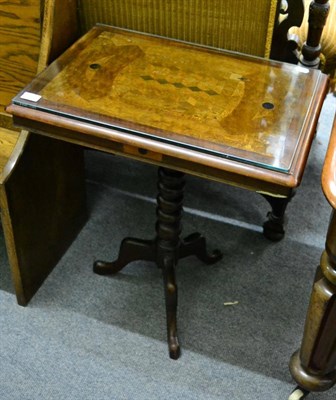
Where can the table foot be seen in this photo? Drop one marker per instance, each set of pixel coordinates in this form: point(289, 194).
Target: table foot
point(174, 348)
point(131, 249)
point(316, 381)
point(195, 244)
point(273, 227)
point(170, 291)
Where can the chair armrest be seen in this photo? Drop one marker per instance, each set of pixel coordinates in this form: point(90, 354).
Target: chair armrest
point(329, 169)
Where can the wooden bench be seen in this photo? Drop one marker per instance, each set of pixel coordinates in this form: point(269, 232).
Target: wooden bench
point(42, 205)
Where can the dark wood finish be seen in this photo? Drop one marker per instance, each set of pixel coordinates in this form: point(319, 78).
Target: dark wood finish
point(42, 210)
point(285, 48)
point(314, 365)
point(318, 13)
point(273, 227)
point(166, 249)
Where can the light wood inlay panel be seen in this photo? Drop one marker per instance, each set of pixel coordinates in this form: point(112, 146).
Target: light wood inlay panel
point(234, 118)
point(239, 106)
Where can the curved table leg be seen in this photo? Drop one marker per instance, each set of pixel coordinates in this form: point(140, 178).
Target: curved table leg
point(195, 244)
point(131, 249)
point(170, 291)
point(274, 225)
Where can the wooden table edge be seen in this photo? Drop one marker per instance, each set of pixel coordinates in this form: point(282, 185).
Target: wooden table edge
point(85, 134)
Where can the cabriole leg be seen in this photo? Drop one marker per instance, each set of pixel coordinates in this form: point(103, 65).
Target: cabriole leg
point(273, 227)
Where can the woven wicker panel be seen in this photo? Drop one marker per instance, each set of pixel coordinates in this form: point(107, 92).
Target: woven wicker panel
point(239, 25)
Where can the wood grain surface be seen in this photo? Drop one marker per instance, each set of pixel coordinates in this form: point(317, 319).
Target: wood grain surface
point(233, 105)
point(8, 140)
point(142, 96)
point(329, 169)
point(19, 46)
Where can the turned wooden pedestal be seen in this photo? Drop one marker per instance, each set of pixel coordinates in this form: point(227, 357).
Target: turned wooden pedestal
point(166, 249)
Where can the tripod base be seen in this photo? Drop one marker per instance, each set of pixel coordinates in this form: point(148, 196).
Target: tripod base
point(132, 249)
point(165, 250)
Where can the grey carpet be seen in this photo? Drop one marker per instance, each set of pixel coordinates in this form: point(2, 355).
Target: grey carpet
point(85, 336)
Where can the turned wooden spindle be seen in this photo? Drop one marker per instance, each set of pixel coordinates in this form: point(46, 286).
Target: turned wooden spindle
point(311, 49)
point(168, 228)
point(313, 367)
point(165, 249)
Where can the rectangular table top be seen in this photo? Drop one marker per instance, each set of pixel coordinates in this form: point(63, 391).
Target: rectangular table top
point(211, 107)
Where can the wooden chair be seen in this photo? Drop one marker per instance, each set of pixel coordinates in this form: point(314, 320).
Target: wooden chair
point(314, 365)
point(42, 202)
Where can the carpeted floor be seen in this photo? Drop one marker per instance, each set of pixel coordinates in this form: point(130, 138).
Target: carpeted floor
point(85, 336)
